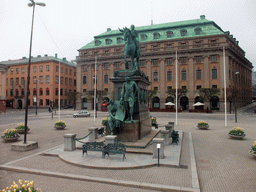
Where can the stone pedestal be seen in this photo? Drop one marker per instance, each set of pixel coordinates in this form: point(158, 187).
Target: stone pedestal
point(166, 135)
point(110, 139)
point(170, 128)
point(21, 146)
point(93, 136)
point(69, 142)
point(155, 149)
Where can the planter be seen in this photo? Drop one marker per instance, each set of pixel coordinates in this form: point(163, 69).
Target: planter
point(203, 127)
point(236, 136)
point(10, 139)
point(22, 131)
point(253, 153)
point(60, 127)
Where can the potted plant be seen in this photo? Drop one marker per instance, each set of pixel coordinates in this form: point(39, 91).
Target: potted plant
point(153, 121)
point(60, 124)
point(11, 135)
point(253, 149)
point(236, 133)
point(202, 125)
point(27, 186)
point(21, 128)
point(104, 121)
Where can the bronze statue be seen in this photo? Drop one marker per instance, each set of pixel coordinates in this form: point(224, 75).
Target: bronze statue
point(131, 46)
point(129, 97)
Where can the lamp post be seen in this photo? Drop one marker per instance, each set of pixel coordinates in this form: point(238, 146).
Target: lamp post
point(236, 73)
point(32, 4)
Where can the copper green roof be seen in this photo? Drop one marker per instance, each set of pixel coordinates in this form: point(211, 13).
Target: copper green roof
point(205, 26)
point(38, 59)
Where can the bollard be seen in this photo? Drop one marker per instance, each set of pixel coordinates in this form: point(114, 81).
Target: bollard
point(69, 142)
point(93, 136)
point(166, 135)
point(155, 149)
point(110, 139)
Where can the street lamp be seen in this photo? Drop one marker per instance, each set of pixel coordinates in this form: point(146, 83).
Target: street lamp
point(32, 4)
point(236, 73)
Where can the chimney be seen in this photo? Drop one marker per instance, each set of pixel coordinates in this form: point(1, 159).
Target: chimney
point(56, 55)
point(108, 29)
point(64, 59)
point(202, 17)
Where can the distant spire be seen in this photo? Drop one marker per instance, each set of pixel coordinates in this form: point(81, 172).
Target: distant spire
point(151, 14)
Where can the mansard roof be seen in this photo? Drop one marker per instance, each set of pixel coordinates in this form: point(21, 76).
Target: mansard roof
point(166, 31)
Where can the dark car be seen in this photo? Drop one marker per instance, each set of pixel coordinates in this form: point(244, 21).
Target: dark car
point(68, 106)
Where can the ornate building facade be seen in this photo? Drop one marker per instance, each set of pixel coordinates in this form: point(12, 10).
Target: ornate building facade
point(202, 49)
point(44, 81)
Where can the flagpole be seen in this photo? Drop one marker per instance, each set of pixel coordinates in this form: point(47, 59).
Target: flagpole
point(95, 86)
point(225, 86)
point(176, 76)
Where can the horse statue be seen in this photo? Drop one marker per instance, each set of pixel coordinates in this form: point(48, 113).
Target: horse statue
point(131, 47)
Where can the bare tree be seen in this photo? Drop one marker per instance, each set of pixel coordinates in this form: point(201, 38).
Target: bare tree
point(172, 93)
point(208, 93)
point(151, 94)
point(232, 93)
point(73, 97)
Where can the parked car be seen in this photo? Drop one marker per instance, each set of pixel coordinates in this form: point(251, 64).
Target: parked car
point(82, 114)
point(68, 106)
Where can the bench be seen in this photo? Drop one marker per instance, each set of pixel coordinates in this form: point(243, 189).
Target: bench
point(93, 146)
point(116, 148)
point(101, 131)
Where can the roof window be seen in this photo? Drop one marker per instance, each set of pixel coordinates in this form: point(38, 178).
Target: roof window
point(183, 32)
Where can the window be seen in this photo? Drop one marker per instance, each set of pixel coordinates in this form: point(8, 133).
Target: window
point(197, 31)
point(183, 44)
point(169, 61)
point(119, 40)
point(155, 62)
point(47, 91)
point(41, 68)
point(23, 80)
point(106, 89)
point(213, 42)
point(156, 88)
point(40, 91)
point(11, 92)
point(117, 65)
point(6, 81)
point(169, 46)
point(155, 76)
point(47, 102)
point(108, 41)
point(183, 32)
point(11, 80)
point(70, 71)
point(22, 70)
point(34, 69)
point(57, 69)
point(17, 81)
point(17, 70)
point(61, 80)
point(47, 68)
point(169, 33)
point(6, 93)
point(84, 90)
point(11, 71)
point(198, 43)
point(105, 65)
point(156, 35)
point(66, 70)
point(56, 91)
point(84, 67)
point(169, 75)
point(106, 51)
point(183, 75)
point(142, 63)
point(214, 86)
point(34, 91)
point(74, 73)
point(22, 92)
point(34, 79)
point(214, 58)
point(61, 92)
point(198, 59)
point(142, 49)
point(183, 87)
point(198, 74)
point(57, 79)
point(17, 92)
point(169, 88)
point(214, 73)
point(66, 81)
point(183, 60)
point(70, 81)
point(143, 37)
point(40, 79)
point(61, 69)
point(155, 47)
point(106, 78)
point(94, 79)
point(84, 79)
point(97, 43)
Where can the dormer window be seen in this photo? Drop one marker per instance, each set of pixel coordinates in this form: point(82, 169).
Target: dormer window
point(97, 43)
point(143, 37)
point(119, 40)
point(198, 31)
point(183, 32)
point(156, 35)
point(169, 33)
point(108, 41)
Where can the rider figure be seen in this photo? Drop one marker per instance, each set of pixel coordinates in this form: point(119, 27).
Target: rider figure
point(134, 35)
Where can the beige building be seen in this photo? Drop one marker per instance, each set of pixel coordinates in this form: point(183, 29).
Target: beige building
point(202, 49)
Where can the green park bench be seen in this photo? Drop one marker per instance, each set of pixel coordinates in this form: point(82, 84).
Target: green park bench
point(116, 148)
point(94, 146)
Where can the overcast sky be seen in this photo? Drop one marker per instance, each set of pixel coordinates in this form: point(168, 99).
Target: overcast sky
point(64, 26)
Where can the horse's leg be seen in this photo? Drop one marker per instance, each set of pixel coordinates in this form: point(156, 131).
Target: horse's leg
point(132, 60)
point(138, 63)
point(126, 63)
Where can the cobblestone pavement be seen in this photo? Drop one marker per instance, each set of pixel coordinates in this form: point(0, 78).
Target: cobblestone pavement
point(223, 164)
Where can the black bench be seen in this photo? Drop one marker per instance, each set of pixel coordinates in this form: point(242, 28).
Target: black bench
point(116, 148)
point(93, 146)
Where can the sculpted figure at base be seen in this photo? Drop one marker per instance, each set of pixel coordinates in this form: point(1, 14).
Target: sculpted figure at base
point(116, 117)
point(129, 97)
point(131, 46)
